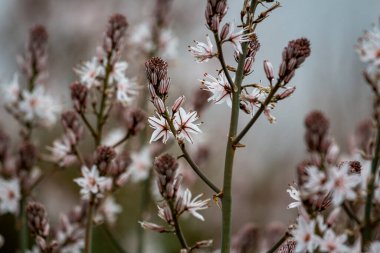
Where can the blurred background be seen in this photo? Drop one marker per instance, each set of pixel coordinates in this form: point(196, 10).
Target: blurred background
point(330, 81)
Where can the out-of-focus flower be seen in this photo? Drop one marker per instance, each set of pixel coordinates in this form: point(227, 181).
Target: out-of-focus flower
point(220, 89)
point(184, 124)
point(126, 91)
point(341, 184)
point(315, 180)
point(304, 235)
point(89, 72)
point(153, 227)
point(35, 249)
point(141, 37)
point(236, 38)
point(12, 91)
point(113, 136)
point(117, 73)
point(91, 182)
point(61, 152)
point(141, 164)
point(194, 205)
point(168, 44)
point(202, 52)
point(332, 243)
point(161, 128)
point(9, 196)
point(294, 194)
point(37, 105)
point(374, 247)
point(70, 236)
point(37, 219)
point(368, 46)
point(108, 211)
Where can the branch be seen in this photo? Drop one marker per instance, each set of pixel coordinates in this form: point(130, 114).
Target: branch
point(221, 59)
point(279, 243)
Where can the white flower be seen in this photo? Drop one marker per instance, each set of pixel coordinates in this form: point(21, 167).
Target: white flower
point(108, 211)
point(118, 72)
point(304, 235)
point(70, 235)
point(168, 43)
point(61, 152)
point(184, 124)
point(220, 89)
point(9, 196)
point(294, 194)
point(39, 106)
point(332, 243)
point(91, 182)
point(141, 37)
point(141, 163)
point(374, 247)
point(315, 180)
point(202, 52)
point(12, 91)
point(126, 91)
point(194, 205)
point(161, 128)
point(341, 184)
point(236, 38)
point(368, 46)
point(89, 72)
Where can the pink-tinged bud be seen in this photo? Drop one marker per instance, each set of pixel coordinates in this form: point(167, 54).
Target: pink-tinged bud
point(268, 68)
point(203, 244)
point(159, 104)
point(178, 103)
point(289, 76)
point(288, 91)
point(152, 226)
point(164, 86)
point(225, 31)
point(215, 23)
point(292, 64)
point(152, 91)
point(282, 70)
point(248, 65)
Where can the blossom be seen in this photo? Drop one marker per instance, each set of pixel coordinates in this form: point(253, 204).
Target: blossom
point(304, 235)
point(141, 163)
point(194, 205)
point(236, 38)
point(12, 91)
point(91, 182)
point(168, 44)
point(315, 180)
point(294, 194)
point(89, 72)
point(9, 196)
point(39, 106)
point(161, 128)
point(220, 89)
point(342, 184)
point(108, 211)
point(126, 91)
point(61, 152)
point(117, 73)
point(70, 236)
point(332, 243)
point(368, 46)
point(141, 37)
point(202, 52)
point(184, 124)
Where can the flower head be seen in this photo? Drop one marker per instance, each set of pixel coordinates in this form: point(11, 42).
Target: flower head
point(193, 205)
point(91, 182)
point(10, 196)
point(294, 194)
point(236, 38)
point(202, 52)
point(184, 124)
point(89, 72)
point(161, 128)
point(304, 235)
point(332, 243)
point(220, 89)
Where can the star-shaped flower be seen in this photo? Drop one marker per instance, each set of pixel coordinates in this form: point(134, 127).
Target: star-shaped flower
point(161, 128)
point(184, 124)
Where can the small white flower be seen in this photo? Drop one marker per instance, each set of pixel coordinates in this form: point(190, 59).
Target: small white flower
point(368, 46)
point(71, 235)
point(127, 90)
point(108, 211)
point(118, 72)
point(39, 106)
point(294, 194)
point(332, 243)
point(91, 182)
point(305, 236)
point(341, 184)
point(141, 164)
point(202, 52)
point(61, 152)
point(194, 205)
point(184, 124)
point(220, 89)
point(12, 91)
point(236, 38)
point(374, 247)
point(161, 128)
point(141, 37)
point(89, 72)
point(9, 196)
point(169, 44)
point(315, 180)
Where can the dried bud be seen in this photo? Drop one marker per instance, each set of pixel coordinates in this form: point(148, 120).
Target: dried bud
point(288, 247)
point(288, 91)
point(117, 25)
point(159, 104)
point(293, 56)
point(79, 96)
point(317, 123)
point(214, 13)
point(135, 119)
point(103, 157)
point(166, 167)
point(178, 103)
point(37, 219)
point(268, 69)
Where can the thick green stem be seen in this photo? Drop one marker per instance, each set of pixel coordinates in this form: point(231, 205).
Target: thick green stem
point(367, 229)
point(88, 233)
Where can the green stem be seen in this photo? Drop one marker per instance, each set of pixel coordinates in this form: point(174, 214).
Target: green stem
point(367, 229)
point(279, 243)
point(88, 233)
point(177, 227)
point(23, 231)
point(221, 59)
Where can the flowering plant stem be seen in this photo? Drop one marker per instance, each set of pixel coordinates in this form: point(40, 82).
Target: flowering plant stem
point(221, 59)
point(177, 227)
point(88, 235)
point(367, 229)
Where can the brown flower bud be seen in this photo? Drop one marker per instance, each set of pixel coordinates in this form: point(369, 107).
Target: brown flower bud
point(103, 158)
point(79, 96)
point(159, 104)
point(27, 156)
point(166, 167)
point(268, 69)
point(178, 103)
point(225, 31)
point(116, 27)
point(214, 13)
point(37, 219)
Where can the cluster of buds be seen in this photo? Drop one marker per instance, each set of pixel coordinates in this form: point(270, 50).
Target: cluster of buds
point(114, 36)
point(159, 82)
point(253, 45)
point(168, 180)
point(292, 57)
point(215, 11)
point(103, 158)
point(79, 94)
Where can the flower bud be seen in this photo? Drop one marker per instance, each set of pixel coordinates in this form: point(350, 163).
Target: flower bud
point(286, 93)
point(225, 31)
point(248, 65)
point(178, 103)
point(164, 86)
point(268, 69)
point(159, 104)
